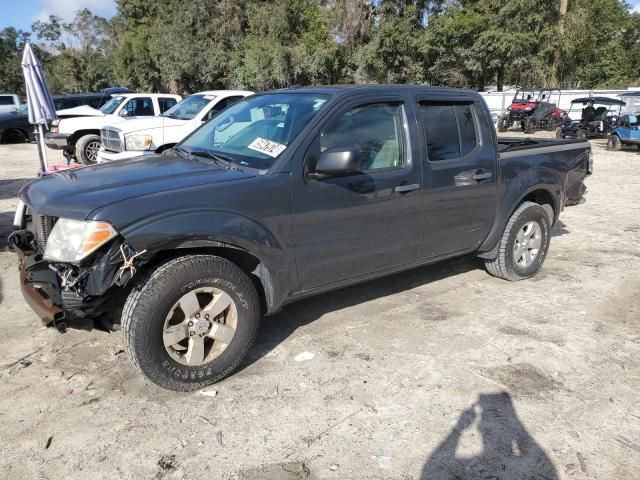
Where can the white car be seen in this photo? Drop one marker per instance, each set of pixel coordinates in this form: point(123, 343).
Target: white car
point(145, 136)
point(78, 135)
point(9, 102)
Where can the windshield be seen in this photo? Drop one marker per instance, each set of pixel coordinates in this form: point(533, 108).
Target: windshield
point(255, 131)
point(189, 107)
point(23, 109)
point(112, 105)
point(524, 96)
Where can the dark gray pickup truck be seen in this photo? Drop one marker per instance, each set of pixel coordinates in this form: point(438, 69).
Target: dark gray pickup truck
point(281, 196)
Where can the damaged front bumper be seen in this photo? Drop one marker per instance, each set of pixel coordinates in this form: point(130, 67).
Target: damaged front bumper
point(63, 293)
point(41, 294)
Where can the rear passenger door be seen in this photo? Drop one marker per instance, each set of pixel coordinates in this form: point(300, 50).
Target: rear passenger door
point(138, 107)
point(460, 195)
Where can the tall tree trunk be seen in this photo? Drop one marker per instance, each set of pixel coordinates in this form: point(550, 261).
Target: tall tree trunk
point(500, 78)
point(557, 61)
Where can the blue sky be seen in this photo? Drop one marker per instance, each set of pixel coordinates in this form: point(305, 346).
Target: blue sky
point(22, 13)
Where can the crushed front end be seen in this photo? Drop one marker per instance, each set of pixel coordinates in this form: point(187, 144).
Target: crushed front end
point(63, 292)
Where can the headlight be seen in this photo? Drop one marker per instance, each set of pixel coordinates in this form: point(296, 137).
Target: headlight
point(54, 126)
point(73, 240)
point(137, 142)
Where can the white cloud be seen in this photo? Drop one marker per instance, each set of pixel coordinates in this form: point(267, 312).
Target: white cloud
point(66, 9)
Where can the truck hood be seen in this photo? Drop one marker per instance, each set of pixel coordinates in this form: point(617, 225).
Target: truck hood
point(81, 111)
point(74, 124)
point(78, 192)
point(150, 123)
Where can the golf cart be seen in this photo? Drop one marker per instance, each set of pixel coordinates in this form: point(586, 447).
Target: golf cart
point(596, 118)
point(533, 110)
point(626, 133)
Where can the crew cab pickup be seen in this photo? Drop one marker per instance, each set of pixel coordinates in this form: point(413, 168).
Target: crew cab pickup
point(79, 136)
point(9, 102)
point(314, 189)
point(146, 136)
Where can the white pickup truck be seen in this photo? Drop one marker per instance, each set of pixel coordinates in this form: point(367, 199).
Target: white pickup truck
point(144, 136)
point(9, 102)
point(79, 135)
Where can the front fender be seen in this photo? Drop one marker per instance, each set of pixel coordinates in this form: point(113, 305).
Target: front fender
point(213, 228)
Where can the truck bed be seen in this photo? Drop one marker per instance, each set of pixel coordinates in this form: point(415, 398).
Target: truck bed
point(513, 144)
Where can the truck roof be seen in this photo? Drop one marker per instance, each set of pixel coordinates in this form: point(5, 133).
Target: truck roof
point(377, 88)
point(224, 93)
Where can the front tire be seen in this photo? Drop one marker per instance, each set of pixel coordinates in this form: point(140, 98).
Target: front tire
point(190, 322)
point(87, 149)
point(524, 244)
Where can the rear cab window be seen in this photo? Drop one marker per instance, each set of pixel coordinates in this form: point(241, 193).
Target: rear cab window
point(165, 103)
point(449, 129)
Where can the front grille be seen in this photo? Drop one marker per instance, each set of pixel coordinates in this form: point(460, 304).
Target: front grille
point(40, 226)
point(110, 138)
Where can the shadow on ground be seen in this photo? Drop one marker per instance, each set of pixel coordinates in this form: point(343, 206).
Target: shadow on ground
point(509, 452)
point(277, 328)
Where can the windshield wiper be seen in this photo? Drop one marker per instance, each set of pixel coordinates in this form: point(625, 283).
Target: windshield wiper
point(215, 158)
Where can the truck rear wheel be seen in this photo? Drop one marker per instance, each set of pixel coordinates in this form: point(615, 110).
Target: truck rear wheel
point(524, 244)
point(87, 149)
point(190, 322)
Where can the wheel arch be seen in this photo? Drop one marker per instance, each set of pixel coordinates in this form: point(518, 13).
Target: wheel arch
point(73, 139)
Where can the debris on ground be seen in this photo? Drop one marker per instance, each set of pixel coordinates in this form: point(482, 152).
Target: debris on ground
point(304, 356)
point(167, 462)
point(208, 392)
point(48, 442)
point(384, 461)
point(333, 467)
point(219, 437)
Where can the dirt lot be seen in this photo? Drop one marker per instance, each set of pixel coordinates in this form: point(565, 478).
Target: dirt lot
point(441, 372)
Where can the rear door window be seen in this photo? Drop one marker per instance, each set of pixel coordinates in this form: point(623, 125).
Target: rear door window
point(6, 100)
point(449, 129)
point(166, 103)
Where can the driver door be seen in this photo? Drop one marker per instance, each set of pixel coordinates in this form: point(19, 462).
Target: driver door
point(354, 224)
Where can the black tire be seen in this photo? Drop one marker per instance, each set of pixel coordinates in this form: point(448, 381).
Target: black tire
point(87, 149)
point(15, 136)
point(529, 127)
point(614, 143)
point(150, 301)
point(504, 265)
point(552, 123)
point(503, 124)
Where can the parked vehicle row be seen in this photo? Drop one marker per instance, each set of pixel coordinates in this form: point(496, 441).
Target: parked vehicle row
point(79, 136)
point(149, 135)
point(281, 196)
point(15, 126)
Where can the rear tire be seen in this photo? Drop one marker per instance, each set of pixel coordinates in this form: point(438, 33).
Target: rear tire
point(14, 136)
point(530, 222)
point(614, 143)
point(87, 149)
point(529, 126)
point(148, 322)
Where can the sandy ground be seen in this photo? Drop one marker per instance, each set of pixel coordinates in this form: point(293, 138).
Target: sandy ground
point(441, 372)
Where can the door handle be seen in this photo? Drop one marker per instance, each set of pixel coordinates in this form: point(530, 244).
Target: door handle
point(482, 176)
point(407, 188)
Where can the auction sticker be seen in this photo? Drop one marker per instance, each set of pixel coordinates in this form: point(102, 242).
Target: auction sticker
point(262, 145)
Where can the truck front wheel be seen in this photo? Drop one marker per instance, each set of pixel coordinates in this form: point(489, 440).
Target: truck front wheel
point(190, 322)
point(87, 149)
point(614, 143)
point(524, 244)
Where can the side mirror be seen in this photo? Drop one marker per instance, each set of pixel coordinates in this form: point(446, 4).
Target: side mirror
point(123, 113)
point(337, 161)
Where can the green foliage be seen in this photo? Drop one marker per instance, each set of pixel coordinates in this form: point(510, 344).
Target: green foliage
point(263, 44)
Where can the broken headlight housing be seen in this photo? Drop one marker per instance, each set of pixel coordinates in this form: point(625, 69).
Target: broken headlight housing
point(73, 240)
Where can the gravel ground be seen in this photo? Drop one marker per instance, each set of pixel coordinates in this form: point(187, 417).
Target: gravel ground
point(440, 372)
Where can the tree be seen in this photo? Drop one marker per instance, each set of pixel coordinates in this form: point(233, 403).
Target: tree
point(12, 42)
